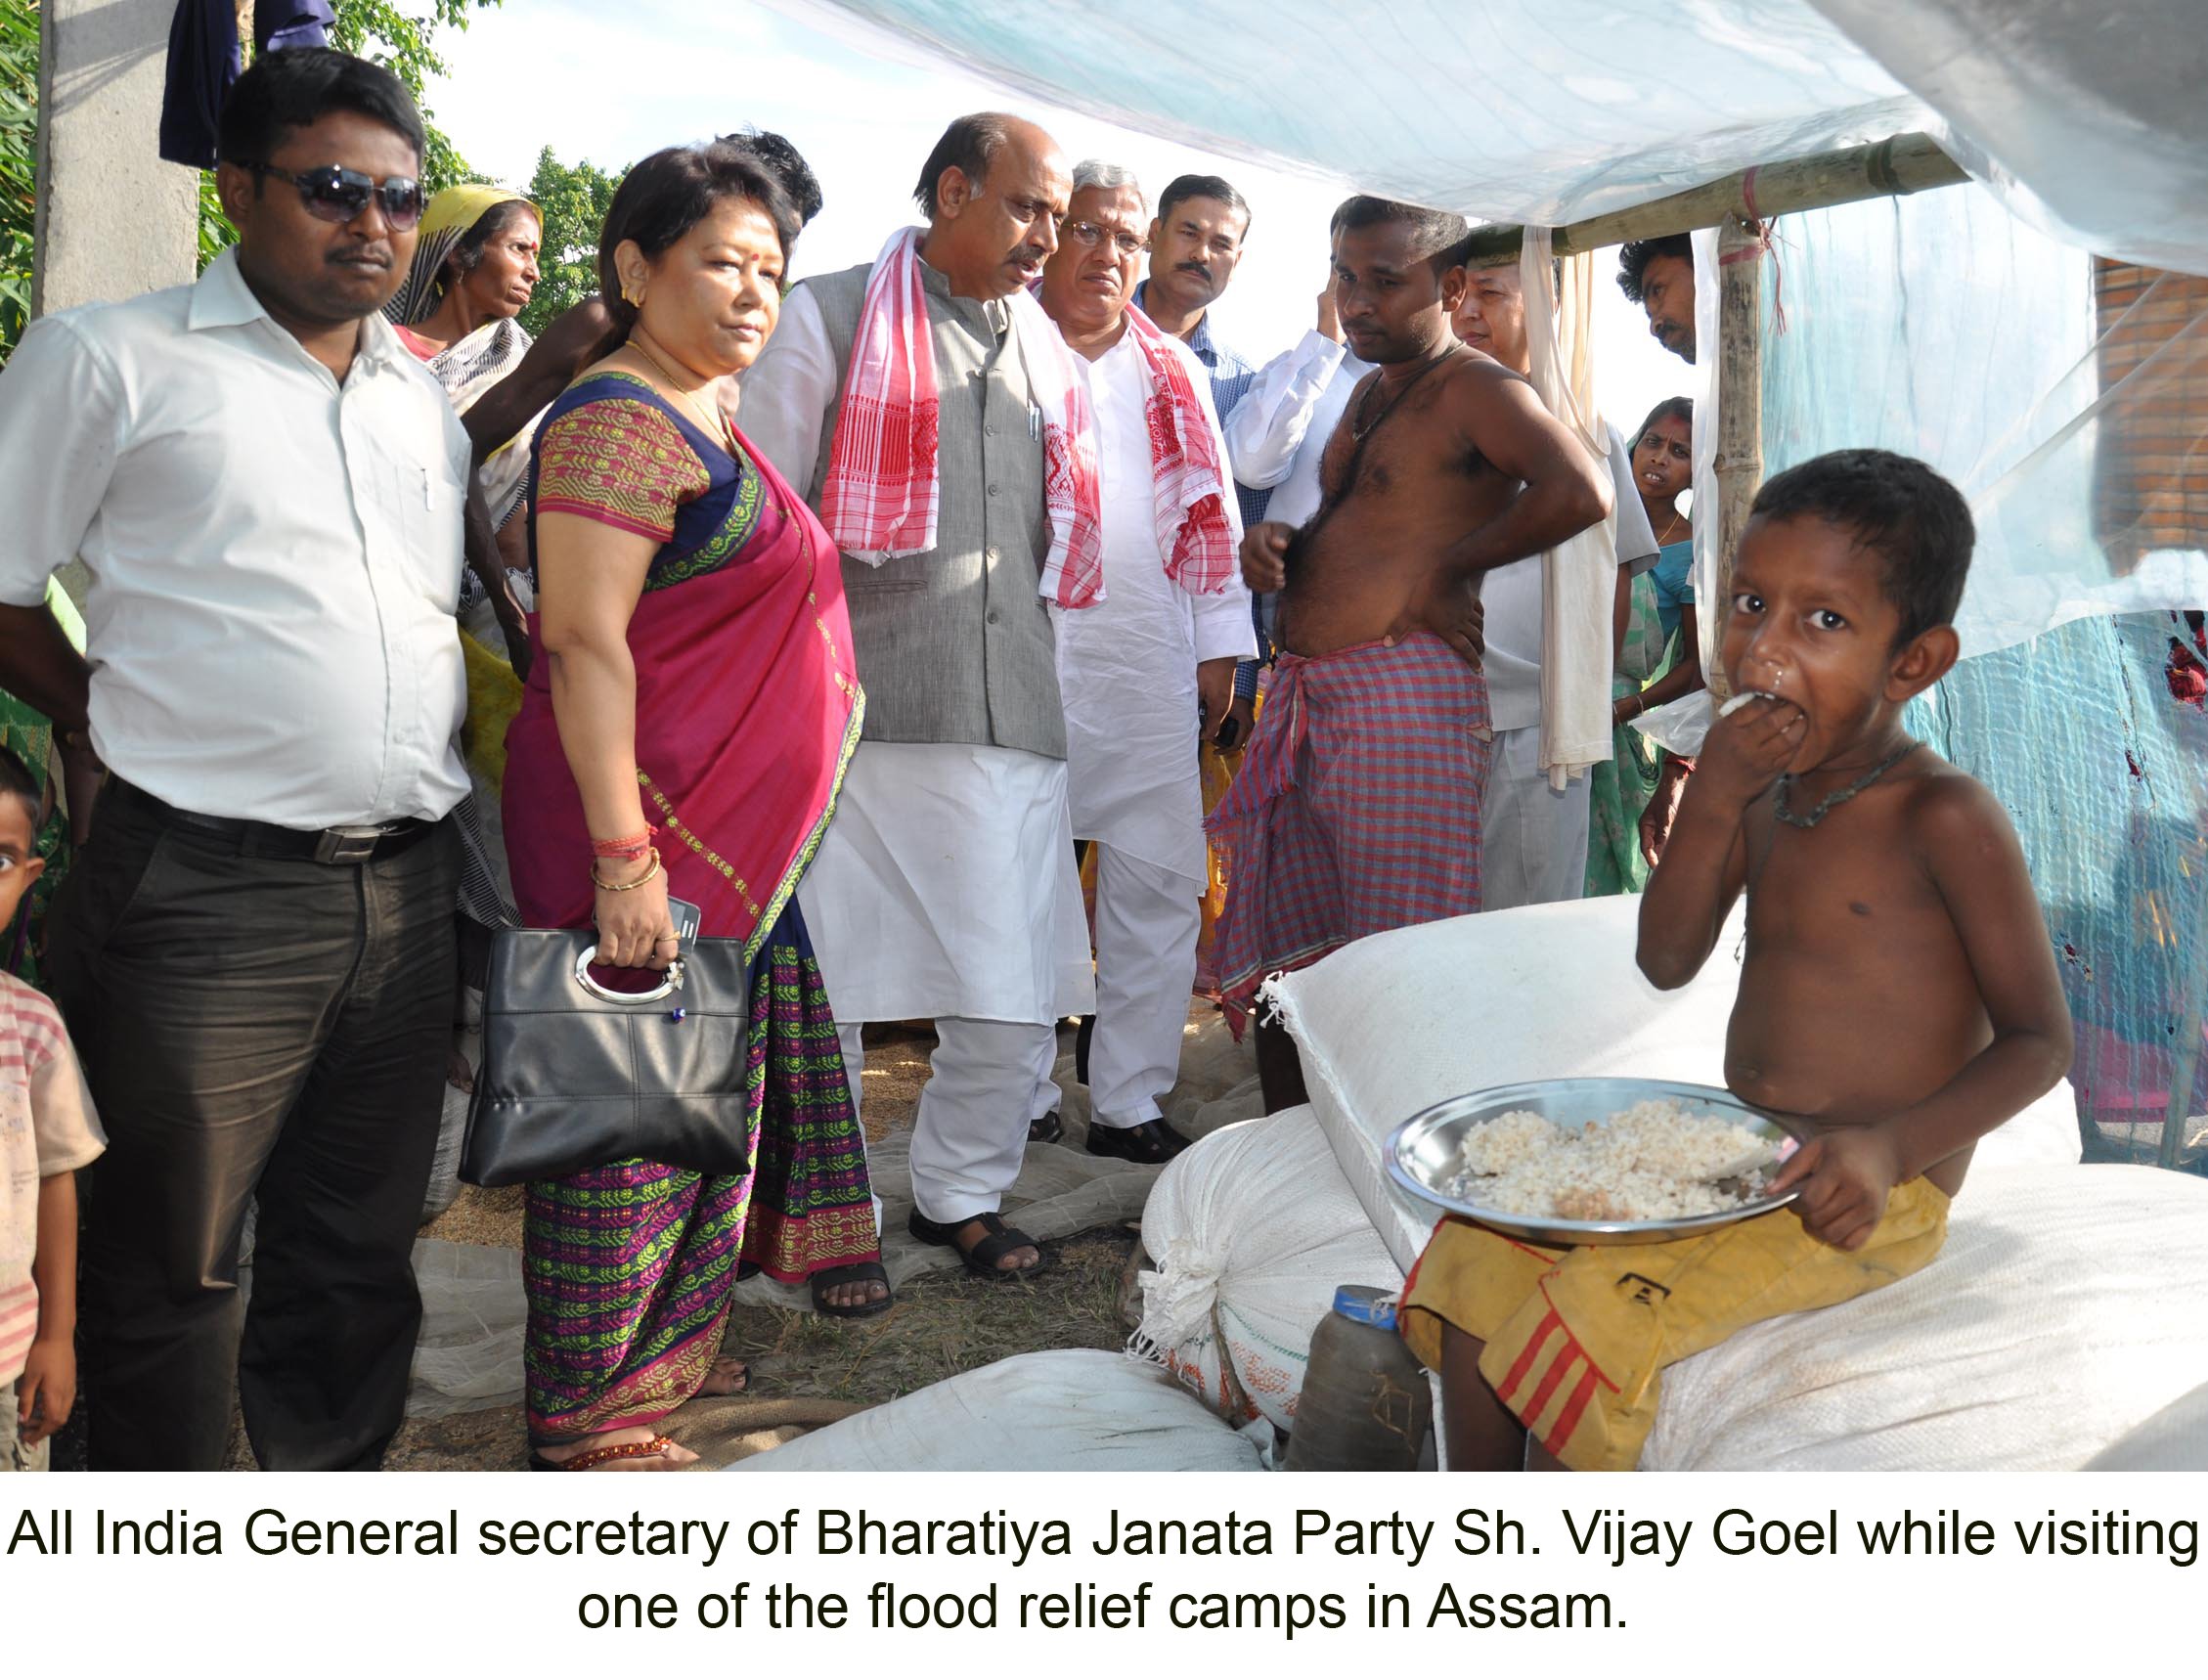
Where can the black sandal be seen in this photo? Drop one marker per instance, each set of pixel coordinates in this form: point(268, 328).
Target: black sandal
point(859, 1271)
point(1050, 1128)
point(980, 1259)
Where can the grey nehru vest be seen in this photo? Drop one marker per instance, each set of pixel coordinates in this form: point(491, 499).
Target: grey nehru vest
point(956, 644)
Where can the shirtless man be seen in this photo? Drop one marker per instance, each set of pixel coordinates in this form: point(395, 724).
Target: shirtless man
point(1444, 466)
point(1888, 907)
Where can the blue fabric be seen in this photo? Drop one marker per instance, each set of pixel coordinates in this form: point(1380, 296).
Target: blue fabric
point(203, 61)
point(1674, 578)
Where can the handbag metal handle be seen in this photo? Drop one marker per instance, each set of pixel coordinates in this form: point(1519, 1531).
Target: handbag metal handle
point(671, 982)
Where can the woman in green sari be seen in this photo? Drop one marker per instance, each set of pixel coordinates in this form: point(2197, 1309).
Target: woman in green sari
point(1658, 651)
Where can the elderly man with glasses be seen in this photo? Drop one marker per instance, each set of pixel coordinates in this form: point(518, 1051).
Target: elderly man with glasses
point(1147, 645)
point(255, 953)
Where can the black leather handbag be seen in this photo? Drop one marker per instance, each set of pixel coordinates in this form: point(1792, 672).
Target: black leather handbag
point(576, 1075)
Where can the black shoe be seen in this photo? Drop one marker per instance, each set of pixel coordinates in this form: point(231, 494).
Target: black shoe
point(1153, 1143)
point(1049, 1129)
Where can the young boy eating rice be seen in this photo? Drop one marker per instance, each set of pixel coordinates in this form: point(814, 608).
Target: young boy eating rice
point(1898, 999)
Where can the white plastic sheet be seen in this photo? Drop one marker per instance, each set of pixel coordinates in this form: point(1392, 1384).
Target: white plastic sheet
point(1515, 109)
point(2087, 118)
point(1946, 327)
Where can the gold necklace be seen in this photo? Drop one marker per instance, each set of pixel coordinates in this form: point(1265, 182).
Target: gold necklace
point(1675, 523)
point(715, 425)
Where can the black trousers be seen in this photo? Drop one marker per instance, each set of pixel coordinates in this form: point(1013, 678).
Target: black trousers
point(252, 1026)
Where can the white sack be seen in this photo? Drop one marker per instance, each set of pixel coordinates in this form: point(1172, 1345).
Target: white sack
point(2065, 1312)
point(2065, 1309)
point(1249, 1232)
point(1073, 1409)
point(2176, 1437)
point(1396, 1023)
point(467, 1357)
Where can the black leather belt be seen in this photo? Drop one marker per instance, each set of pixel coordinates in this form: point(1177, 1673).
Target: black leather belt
point(357, 843)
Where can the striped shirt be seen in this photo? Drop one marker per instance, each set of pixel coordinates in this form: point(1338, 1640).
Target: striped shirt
point(47, 1127)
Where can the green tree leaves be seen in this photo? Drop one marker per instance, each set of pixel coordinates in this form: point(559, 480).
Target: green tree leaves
point(18, 174)
point(574, 198)
point(406, 46)
point(402, 37)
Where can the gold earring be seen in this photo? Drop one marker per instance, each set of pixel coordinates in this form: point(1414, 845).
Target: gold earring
point(631, 294)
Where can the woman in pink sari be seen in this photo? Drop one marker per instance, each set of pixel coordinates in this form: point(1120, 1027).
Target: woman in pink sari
point(685, 730)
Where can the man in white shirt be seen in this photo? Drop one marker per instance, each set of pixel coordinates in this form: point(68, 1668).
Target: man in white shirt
point(255, 953)
point(1534, 834)
point(1139, 666)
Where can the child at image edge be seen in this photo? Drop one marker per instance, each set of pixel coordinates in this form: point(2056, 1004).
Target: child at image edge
point(47, 1130)
point(1898, 1000)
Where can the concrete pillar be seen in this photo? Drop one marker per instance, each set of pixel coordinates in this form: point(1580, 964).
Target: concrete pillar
point(114, 220)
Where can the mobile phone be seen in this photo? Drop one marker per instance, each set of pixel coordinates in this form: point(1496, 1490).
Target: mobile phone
point(686, 917)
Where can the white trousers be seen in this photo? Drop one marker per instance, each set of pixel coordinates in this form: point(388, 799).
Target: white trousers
point(987, 1080)
point(1147, 919)
point(1533, 838)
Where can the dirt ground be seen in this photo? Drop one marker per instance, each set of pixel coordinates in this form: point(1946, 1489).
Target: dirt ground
point(807, 1369)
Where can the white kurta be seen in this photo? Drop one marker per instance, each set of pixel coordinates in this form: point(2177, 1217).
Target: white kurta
point(946, 887)
point(1127, 666)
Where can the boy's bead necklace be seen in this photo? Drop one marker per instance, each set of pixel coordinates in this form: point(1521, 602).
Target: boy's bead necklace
point(1781, 809)
point(1782, 803)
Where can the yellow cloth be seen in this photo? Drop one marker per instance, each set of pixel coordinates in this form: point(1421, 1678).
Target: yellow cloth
point(1575, 1338)
point(1219, 771)
point(494, 695)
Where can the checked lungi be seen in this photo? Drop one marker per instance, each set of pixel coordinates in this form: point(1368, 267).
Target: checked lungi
point(1356, 809)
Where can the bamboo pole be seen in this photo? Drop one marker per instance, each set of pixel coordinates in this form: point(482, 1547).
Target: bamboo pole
point(1739, 462)
point(1891, 168)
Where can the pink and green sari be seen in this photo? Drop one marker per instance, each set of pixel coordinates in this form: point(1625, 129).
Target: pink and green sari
point(748, 707)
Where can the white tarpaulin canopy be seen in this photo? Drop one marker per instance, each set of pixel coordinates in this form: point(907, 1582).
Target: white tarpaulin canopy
point(2087, 118)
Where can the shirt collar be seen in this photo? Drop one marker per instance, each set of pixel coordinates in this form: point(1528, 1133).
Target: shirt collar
point(222, 298)
point(1201, 340)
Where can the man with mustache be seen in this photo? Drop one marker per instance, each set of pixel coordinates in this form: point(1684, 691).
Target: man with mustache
point(1147, 638)
point(909, 396)
point(1659, 275)
point(255, 952)
point(1196, 243)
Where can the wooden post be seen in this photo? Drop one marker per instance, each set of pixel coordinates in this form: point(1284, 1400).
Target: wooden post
point(1891, 168)
point(1738, 461)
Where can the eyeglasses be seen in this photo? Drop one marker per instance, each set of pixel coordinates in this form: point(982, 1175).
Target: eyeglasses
point(334, 194)
point(1090, 236)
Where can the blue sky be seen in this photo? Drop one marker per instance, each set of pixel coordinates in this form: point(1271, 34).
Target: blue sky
point(611, 83)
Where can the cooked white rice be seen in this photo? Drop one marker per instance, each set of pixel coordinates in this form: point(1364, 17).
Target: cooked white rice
point(1654, 1161)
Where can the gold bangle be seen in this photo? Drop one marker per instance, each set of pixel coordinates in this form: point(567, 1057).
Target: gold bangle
point(651, 874)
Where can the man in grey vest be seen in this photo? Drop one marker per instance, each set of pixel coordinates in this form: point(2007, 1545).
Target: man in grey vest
point(945, 885)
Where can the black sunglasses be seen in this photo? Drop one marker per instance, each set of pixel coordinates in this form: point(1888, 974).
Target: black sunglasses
point(334, 194)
